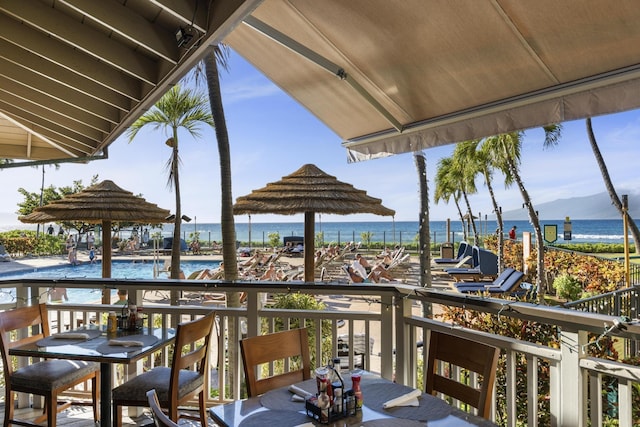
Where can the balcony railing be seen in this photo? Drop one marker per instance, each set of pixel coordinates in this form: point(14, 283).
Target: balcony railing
point(394, 320)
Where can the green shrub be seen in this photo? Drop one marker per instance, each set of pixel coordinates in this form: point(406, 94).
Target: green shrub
point(299, 301)
point(567, 287)
point(274, 239)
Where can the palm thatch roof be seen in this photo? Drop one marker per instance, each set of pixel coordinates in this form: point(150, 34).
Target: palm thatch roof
point(309, 189)
point(103, 201)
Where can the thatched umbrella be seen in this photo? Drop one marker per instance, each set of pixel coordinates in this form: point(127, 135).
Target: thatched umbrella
point(309, 190)
point(103, 204)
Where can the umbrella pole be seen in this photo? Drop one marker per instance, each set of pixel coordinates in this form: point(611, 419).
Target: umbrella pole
point(309, 251)
point(106, 258)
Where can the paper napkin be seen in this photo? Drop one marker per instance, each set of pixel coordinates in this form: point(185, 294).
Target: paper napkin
point(71, 336)
point(409, 399)
point(126, 343)
point(298, 391)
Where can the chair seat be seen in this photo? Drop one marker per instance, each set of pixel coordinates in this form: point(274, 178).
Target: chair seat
point(51, 374)
point(158, 378)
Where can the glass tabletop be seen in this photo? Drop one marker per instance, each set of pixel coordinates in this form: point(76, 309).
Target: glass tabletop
point(99, 346)
point(278, 405)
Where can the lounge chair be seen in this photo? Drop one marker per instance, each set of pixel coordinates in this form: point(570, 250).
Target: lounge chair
point(4, 256)
point(508, 282)
point(464, 250)
point(485, 266)
point(360, 351)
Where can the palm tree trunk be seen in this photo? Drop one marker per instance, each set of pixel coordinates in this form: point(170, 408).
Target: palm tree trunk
point(175, 245)
point(500, 231)
point(615, 200)
point(227, 222)
point(461, 215)
point(228, 227)
point(423, 233)
point(470, 220)
point(533, 218)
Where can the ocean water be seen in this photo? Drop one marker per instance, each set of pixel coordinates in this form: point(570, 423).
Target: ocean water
point(399, 232)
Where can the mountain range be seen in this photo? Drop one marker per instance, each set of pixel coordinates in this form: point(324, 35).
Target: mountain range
point(596, 206)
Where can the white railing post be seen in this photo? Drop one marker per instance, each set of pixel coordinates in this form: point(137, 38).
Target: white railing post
point(404, 354)
point(386, 336)
point(253, 322)
point(573, 394)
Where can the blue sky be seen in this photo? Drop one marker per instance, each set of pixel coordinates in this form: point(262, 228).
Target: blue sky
point(272, 135)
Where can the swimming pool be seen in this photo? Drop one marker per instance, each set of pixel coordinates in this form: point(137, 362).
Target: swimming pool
point(139, 269)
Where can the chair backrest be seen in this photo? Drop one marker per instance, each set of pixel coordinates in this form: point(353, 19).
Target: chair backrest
point(277, 346)
point(160, 418)
point(33, 316)
point(469, 355)
point(487, 262)
point(475, 257)
point(462, 250)
point(191, 349)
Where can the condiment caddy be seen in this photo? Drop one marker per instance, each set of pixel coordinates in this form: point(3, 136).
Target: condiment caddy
point(332, 401)
point(131, 318)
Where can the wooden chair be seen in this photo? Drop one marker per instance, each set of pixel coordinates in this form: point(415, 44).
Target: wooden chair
point(177, 384)
point(469, 355)
point(47, 378)
point(270, 348)
point(160, 418)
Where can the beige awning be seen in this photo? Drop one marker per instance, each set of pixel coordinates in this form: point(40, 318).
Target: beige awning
point(74, 74)
point(398, 76)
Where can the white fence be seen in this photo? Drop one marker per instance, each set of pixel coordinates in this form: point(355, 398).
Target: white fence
point(394, 322)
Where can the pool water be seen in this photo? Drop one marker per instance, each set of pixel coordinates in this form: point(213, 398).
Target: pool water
point(119, 270)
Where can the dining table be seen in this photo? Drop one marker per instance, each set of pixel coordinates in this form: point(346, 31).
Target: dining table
point(94, 344)
point(280, 407)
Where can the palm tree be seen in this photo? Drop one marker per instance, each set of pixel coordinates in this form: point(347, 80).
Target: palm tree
point(447, 188)
point(218, 55)
point(465, 169)
point(615, 200)
point(490, 159)
point(178, 108)
point(511, 144)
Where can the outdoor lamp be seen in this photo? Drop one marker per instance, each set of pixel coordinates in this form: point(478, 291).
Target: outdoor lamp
point(184, 36)
point(172, 217)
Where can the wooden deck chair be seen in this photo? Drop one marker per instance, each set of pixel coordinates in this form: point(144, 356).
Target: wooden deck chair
point(472, 356)
point(47, 378)
point(178, 384)
point(290, 345)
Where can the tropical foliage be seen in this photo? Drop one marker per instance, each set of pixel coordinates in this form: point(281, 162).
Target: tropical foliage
point(24, 242)
point(49, 194)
